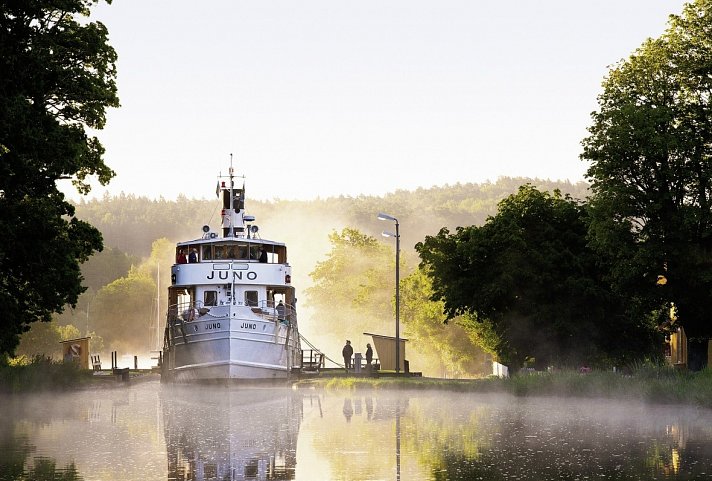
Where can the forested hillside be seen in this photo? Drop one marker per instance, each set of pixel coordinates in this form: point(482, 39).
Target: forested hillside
point(132, 223)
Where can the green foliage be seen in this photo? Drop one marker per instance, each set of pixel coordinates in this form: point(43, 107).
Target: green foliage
point(650, 146)
point(57, 77)
point(351, 290)
point(123, 311)
point(40, 373)
point(43, 339)
point(526, 282)
point(106, 266)
point(439, 344)
point(131, 223)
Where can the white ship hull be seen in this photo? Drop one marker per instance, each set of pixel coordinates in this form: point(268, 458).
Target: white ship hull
point(231, 347)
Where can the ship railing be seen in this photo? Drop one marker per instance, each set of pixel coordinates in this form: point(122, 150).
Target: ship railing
point(179, 314)
point(284, 313)
point(312, 360)
point(187, 312)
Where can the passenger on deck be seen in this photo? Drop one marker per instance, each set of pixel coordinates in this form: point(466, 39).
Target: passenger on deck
point(369, 356)
point(281, 310)
point(193, 256)
point(180, 258)
point(263, 255)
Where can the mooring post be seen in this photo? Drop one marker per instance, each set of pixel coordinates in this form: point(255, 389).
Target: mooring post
point(135, 363)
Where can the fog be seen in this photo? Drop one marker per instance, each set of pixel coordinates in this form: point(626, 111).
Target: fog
point(152, 431)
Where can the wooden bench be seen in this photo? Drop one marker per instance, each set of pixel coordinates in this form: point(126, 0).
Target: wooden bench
point(96, 363)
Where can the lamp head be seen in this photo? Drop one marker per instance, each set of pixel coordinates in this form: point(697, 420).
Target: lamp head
point(385, 233)
point(382, 216)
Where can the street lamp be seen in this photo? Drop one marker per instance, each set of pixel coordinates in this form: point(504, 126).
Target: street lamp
point(382, 216)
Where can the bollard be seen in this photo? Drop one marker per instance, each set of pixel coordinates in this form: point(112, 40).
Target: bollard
point(135, 363)
point(357, 362)
point(122, 374)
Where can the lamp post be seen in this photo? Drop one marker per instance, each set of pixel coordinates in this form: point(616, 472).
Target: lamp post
point(382, 216)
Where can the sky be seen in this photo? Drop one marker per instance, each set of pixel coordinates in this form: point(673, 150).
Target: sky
point(321, 98)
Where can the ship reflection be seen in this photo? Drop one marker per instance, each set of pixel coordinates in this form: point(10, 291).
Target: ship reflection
point(231, 433)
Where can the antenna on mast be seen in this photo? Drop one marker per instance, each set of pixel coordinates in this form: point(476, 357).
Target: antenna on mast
point(232, 199)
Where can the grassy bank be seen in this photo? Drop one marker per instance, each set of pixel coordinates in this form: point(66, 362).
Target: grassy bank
point(41, 374)
point(649, 384)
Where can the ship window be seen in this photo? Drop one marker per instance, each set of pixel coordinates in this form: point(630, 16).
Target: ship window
point(210, 298)
point(281, 252)
point(254, 252)
point(251, 298)
point(207, 253)
point(252, 469)
point(210, 471)
point(219, 252)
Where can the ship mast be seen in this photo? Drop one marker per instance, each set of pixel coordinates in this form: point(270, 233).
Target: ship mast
point(232, 198)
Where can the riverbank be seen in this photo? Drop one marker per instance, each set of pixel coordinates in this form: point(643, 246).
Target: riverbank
point(41, 374)
point(652, 384)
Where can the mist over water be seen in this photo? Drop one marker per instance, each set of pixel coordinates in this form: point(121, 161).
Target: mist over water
point(151, 431)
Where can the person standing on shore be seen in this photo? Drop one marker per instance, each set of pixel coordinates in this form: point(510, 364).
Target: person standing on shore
point(347, 352)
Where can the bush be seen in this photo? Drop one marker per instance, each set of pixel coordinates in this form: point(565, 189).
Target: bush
point(39, 373)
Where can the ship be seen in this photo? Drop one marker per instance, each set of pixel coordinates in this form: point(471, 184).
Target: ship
point(231, 306)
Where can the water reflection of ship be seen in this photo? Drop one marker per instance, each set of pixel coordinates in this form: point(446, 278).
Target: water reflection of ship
point(230, 434)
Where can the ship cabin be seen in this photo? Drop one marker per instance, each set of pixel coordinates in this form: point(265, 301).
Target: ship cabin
point(218, 273)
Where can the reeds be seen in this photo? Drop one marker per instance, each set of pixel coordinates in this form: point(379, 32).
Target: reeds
point(40, 373)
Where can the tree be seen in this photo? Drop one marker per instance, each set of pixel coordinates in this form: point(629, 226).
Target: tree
point(57, 77)
point(44, 339)
point(650, 149)
point(124, 311)
point(527, 285)
point(435, 343)
point(353, 287)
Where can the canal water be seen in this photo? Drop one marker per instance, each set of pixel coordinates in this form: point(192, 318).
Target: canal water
point(148, 431)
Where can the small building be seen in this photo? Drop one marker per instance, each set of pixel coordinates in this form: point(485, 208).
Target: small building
point(499, 370)
point(676, 348)
point(684, 353)
point(385, 347)
point(76, 350)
